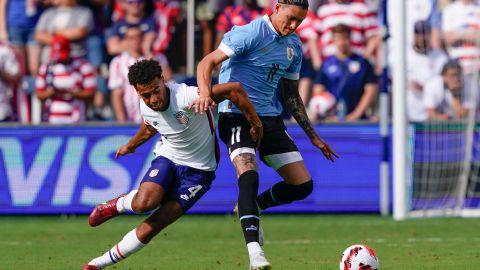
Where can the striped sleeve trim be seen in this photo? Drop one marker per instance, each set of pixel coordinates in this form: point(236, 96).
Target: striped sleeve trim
point(226, 50)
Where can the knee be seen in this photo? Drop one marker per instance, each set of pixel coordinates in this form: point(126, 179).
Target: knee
point(302, 191)
point(143, 204)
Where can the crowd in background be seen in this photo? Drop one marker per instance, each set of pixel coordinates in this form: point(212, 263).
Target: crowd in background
point(66, 61)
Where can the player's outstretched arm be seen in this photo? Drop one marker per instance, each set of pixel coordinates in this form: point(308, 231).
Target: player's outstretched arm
point(144, 133)
point(291, 97)
point(235, 93)
point(204, 78)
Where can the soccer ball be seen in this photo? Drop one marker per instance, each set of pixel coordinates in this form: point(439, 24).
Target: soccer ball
point(321, 104)
point(358, 257)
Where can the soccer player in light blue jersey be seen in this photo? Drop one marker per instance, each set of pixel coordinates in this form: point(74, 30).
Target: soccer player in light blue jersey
point(261, 55)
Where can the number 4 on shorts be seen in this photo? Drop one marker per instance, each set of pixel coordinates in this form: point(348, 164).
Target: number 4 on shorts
point(193, 190)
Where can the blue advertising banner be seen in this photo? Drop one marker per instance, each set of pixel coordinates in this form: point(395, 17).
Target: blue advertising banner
point(53, 170)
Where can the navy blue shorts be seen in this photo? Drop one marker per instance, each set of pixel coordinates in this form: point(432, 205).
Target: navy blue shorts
point(181, 183)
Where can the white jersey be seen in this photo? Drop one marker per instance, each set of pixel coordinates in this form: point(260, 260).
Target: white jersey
point(187, 138)
point(441, 99)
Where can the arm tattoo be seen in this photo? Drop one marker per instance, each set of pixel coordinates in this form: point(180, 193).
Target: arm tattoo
point(291, 97)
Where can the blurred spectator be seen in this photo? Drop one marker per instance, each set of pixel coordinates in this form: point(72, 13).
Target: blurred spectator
point(66, 19)
point(239, 14)
point(445, 96)
point(358, 17)
point(17, 24)
point(461, 25)
point(12, 98)
point(167, 14)
point(349, 77)
point(135, 16)
point(64, 84)
point(416, 10)
point(125, 100)
point(96, 55)
point(311, 56)
point(423, 64)
point(206, 13)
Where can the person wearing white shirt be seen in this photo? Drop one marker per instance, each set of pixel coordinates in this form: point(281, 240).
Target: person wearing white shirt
point(423, 64)
point(445, 97)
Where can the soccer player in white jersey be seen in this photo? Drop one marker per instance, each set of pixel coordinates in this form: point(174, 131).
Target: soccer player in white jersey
point(260, 55)
point(186, 157)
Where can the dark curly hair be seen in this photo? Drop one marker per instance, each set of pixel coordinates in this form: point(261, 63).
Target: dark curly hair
point(144, 72)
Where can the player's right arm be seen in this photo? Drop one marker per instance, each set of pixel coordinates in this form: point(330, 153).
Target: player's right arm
point(204, 78)
point(144, 133)
point(235, 93)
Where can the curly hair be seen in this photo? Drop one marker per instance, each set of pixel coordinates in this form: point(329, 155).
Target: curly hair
point(144, 72)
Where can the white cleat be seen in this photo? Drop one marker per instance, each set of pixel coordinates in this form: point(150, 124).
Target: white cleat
point(259, 262)
point(261, 235)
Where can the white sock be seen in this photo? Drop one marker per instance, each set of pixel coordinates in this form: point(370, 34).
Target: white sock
point(124, 204)
point(129, 245)
point(253, 248)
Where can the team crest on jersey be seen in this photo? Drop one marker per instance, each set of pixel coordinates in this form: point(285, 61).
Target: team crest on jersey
point(153, 173)
point(289, 53)
point(182, 118)
point(354, 67)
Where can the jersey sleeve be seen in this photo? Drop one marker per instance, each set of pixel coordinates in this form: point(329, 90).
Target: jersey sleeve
point(293, 71)
point(240, 39)
point(321, 76)
point(186, 96)
point(370, 76)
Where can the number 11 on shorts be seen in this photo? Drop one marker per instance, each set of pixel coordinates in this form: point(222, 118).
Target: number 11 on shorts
point(236, 134)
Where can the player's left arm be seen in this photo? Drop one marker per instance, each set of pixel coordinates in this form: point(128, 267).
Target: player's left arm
point(144, 133)
point(235, 93)
point(291, 97)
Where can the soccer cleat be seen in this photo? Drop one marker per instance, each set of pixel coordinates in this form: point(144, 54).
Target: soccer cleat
point(261, 235)
point(90, 267)
point(104, 212)
point(259, 262)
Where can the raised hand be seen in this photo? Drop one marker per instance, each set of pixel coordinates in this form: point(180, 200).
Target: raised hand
point(202, 104)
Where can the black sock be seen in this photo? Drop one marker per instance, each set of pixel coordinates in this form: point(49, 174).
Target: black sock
point(247, 205)
point(283, 193)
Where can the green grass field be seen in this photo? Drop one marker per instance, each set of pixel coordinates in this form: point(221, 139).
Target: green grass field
point(215, 242)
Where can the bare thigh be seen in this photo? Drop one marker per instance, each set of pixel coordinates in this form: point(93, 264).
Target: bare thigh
point(294, 173)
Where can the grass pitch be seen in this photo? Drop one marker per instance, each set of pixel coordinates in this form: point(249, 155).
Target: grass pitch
point(215, 242)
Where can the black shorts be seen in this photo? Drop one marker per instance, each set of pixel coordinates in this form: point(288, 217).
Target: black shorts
point(277, 148)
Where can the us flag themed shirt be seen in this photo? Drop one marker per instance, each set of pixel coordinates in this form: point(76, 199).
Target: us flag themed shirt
point(187, 138)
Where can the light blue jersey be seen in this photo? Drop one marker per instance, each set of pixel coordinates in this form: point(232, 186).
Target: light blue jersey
point(259, 57)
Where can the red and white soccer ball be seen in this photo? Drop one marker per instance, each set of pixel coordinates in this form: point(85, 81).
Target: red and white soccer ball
point(359, 257)
point(322, 103)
